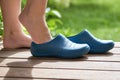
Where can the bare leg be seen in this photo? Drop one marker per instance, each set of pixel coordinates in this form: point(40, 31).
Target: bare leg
point(13, 35)
point(33, 18)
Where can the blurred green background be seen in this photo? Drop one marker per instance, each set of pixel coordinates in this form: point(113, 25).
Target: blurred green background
point(69, 17)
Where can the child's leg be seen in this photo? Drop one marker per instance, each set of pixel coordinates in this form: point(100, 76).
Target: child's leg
point(13, 35)
point(33, 18)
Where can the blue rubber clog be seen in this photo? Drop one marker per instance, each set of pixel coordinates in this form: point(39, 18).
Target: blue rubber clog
point(96, 45)
point(60, 47)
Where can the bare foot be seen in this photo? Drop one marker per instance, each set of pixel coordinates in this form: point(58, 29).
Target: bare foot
point(36, 26)
point(16, 41)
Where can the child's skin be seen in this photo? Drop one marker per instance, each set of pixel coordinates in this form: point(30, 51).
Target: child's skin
point(32, 17)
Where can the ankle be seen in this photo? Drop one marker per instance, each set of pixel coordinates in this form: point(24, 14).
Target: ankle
point(42, 38)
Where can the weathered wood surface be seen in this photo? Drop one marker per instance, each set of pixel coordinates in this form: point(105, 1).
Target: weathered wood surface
point(20, 65)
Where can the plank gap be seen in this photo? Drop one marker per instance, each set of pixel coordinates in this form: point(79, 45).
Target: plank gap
point(60, 68)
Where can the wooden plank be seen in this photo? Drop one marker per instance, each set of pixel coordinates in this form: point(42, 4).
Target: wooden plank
point(1, 42)
point(1, 45)
point(61, 64)
point(59, 74)
point(25, 54)
point(115, 51)
point(21, 79)
point(113, 58)
point(16, 53)
point(117, 44)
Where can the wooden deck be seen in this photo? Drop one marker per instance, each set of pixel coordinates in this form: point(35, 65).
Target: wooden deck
point(20, 65)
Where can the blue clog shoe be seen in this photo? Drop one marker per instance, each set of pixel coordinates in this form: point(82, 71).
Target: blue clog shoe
point(96, 45)
point(60, 47)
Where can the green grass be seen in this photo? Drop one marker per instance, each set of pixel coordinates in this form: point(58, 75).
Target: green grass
point(100, 17)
